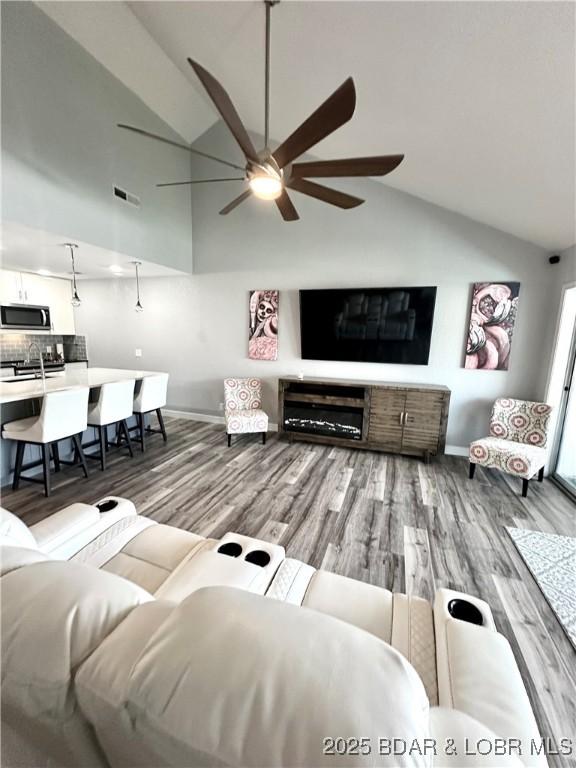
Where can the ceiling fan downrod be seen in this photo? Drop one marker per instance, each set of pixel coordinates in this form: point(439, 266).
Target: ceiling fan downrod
point(269, 5)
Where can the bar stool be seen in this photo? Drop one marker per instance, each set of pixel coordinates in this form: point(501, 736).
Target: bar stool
point(113, 406)
point(151, 396)
point(62, 416)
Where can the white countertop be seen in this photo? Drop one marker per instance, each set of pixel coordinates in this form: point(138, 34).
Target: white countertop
point(15, 390)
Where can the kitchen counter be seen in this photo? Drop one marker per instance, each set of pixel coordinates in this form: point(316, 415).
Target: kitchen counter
point(17, 390)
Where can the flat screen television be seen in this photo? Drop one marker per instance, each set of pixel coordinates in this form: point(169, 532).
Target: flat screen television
point(367, 325)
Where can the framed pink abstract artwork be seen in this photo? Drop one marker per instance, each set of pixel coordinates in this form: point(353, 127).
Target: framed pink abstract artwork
point(492, 318)
point(263, 331)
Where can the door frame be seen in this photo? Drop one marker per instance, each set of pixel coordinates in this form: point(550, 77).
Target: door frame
point(569, 380)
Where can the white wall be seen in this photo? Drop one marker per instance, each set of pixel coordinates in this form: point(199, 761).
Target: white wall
point(196, 327)
point(62, 152)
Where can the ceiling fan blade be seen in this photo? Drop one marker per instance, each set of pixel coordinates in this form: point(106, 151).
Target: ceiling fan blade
point(334, 112)
point(198, 181)
point(350, 166)
point(237, 200)
point(327, 195)
point(177, 144)
point(227, 111)
point(286, 207)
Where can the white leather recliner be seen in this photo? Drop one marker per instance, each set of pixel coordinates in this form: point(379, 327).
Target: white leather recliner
point(129, 643)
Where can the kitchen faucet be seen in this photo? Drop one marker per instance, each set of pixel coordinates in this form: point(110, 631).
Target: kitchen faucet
point(42, 372)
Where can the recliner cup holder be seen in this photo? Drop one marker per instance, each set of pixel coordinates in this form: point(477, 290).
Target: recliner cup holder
point(258, 557)
point(107, 505)
point(231, 548)
point(465, 611)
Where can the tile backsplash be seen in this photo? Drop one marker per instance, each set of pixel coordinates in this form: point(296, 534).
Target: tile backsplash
point(14, 346)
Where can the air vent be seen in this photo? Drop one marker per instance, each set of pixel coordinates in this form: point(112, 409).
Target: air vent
point(127, 197)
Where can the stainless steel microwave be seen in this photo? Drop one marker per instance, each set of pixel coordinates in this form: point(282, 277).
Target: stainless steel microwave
point(24, 317)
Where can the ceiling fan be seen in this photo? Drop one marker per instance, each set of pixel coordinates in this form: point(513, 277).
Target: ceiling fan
point(271, 173)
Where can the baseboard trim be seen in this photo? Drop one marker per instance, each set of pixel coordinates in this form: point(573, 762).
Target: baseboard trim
point(210, 418)
point(456, 450)
point(193, 416)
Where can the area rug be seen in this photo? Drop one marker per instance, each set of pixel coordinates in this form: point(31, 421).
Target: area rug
point(552, 561)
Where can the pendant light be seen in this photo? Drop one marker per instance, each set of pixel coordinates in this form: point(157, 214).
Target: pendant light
point(75, 298)
point(138, 307)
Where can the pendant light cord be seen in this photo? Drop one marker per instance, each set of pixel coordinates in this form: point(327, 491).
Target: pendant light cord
point(73, 269)
point(137, 285)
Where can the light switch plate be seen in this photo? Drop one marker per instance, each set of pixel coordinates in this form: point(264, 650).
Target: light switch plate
point(138, 352)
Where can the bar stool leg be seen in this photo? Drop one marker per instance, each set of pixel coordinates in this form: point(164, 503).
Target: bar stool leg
point(124, 430)
point(56, 456)
point(78, 450)
point(20, 448)
point(103, 441)
point(161, 422)
point(141, 424)
point(46, 467)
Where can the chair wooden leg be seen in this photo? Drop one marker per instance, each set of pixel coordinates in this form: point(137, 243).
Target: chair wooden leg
point(524, 487)
point(263, 438)
point(56, 456)
point(471, 470)
point(141, 426)
point(46, 467)
point(80, 453)
point(229, 436)
point(541, 475)
point(126, 432)
point(20, 448)
point(161, 422)
point(102, 436)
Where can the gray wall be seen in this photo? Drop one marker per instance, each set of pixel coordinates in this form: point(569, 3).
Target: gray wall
point(565, 272)
point(62, 151)
point(197, 328)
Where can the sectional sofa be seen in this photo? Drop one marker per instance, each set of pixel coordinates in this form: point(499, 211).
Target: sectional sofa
point(130, 643)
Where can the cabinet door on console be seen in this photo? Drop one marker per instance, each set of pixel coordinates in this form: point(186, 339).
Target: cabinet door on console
point(422, 422)
point(386, 409)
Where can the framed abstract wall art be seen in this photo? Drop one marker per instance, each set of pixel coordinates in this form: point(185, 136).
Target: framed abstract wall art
point(263, 331)
point(492, 319)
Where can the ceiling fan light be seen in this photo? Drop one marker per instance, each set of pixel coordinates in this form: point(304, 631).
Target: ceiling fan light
point(266, 187)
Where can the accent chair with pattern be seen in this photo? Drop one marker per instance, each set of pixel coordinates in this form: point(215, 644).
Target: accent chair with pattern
point(243, 408)
point(517, 440)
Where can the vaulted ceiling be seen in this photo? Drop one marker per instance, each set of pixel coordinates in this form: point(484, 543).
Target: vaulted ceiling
point(480, 96)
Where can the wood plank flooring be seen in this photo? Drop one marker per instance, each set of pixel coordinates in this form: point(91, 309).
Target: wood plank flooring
point(388, 520)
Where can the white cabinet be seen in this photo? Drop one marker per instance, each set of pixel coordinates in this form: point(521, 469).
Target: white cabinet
point(52, 292)
point(22, 288)
point(11, 291)
point(35, 289)
point(76, 366)
point(58, 296)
